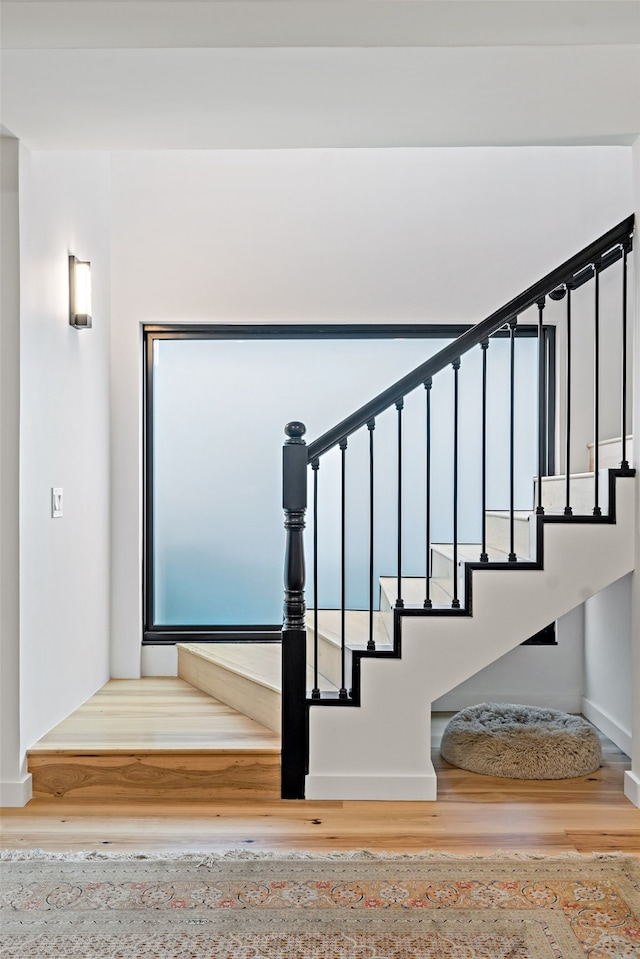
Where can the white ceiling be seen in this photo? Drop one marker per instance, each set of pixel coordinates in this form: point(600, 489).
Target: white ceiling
point(125, 74)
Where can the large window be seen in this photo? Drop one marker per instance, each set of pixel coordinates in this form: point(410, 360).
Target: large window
point(217, 400)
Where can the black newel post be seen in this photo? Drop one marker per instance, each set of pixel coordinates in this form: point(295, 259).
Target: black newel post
point(294, 636)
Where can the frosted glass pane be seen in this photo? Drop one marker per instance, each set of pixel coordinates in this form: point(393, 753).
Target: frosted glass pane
point(219, 411)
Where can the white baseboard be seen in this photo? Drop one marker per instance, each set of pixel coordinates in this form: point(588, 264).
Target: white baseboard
point(632, 787)
point(17, 793)
point(410, 788)
point(621, 737)
point(455, 700)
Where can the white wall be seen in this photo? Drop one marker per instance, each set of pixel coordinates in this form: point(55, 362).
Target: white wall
point(607, 674)
point(632, 777)
point(352, 235)
point(15, 783)
point(550, 676)
point(64, 438)
point(326, 236)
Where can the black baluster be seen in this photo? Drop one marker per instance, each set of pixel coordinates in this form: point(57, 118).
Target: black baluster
point(315, 692)
point(455, 602)
point(596, 395)
point(484, 556)
point(427, 602)
point(399, 600)
point(371, 425)
point(542, 404)
point(294, 660)
point(343, 570)
point(568, 511)
point(624, 463)
point(512, 435)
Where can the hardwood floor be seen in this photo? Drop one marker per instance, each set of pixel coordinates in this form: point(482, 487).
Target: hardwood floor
point(473, 814)
point(479, 821)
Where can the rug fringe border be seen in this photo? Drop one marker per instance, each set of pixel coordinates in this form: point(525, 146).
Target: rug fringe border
point(359, 855)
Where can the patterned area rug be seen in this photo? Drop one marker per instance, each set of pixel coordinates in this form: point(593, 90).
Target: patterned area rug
point(351, 906)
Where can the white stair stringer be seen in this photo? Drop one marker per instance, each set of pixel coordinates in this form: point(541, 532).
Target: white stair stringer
point(381, 749)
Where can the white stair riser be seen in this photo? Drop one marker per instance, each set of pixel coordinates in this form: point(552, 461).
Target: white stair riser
point(499, 534)
point(413, 593)
point(581, 489)
point(610, 453)
point(329, 659)
point(386, 611)
point(442, 572)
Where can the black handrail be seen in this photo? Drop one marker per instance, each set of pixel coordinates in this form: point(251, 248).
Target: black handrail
point(562, 274)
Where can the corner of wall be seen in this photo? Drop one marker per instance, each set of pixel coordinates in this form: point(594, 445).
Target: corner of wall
point(11, 760)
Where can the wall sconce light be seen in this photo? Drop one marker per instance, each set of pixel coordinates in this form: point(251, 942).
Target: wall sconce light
point(79, 294)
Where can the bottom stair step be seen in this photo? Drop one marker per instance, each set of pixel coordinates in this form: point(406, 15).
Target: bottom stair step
point(246, 676)
point(155, 738)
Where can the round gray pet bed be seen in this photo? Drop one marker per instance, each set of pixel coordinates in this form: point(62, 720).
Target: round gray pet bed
point(521, 742)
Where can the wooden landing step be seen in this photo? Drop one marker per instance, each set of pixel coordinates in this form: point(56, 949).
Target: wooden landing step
point(155, 739)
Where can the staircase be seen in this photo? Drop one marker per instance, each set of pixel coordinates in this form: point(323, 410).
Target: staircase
point(507, 605)
point(419, 636)
point(383, 746)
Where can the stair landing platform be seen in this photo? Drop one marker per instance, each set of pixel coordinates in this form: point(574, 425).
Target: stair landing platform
point(156, 738)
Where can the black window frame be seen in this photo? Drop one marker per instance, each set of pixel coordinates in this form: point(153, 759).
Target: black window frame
point(158, 634)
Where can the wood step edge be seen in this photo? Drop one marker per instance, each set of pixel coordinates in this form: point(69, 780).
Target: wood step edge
point(88, 751)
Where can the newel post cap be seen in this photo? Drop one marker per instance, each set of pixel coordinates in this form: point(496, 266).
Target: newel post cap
point(294, 432)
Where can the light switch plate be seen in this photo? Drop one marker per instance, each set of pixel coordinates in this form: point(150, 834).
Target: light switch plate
point(56, 502)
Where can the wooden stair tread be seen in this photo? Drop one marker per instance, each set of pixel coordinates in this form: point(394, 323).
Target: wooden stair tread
point(155, 715)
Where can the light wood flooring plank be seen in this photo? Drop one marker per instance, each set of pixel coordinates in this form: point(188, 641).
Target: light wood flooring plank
point(319, 826)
